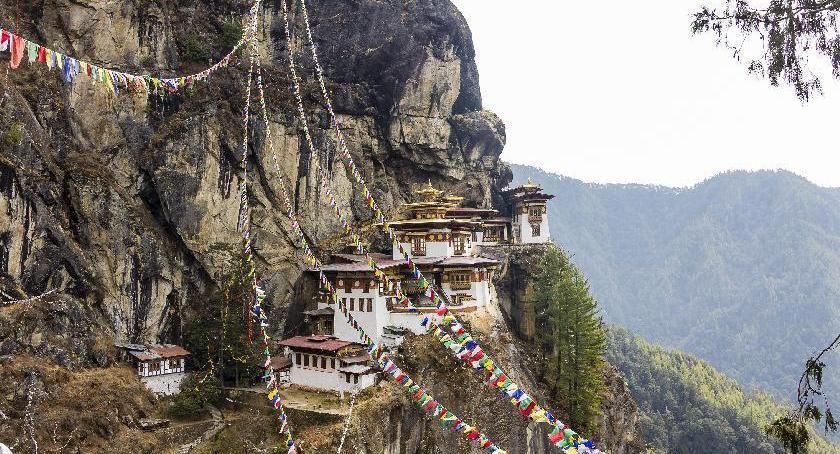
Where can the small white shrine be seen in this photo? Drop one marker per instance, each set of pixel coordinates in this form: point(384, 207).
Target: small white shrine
point(528, 206)
point(161, 368)
point(327, 363)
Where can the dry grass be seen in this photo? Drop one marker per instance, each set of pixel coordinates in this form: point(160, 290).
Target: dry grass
point(93, 410)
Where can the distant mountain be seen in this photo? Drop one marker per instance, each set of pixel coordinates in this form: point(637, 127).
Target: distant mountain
point(686, 406)
point(742, 270)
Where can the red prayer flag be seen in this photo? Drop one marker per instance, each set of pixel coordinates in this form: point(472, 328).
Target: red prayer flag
point(527, 411)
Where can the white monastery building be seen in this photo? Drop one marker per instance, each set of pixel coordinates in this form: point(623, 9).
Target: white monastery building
point(327, 363)
point(444, 240)
point(529, 214)
point(161, 368)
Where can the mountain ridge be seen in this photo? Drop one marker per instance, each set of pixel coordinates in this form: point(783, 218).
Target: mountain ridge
point(740, 269)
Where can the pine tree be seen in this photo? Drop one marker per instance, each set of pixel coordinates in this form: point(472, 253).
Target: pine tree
point(218, 332)
point(571, 337)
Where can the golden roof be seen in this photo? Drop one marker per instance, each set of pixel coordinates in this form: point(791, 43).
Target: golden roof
point(530, 185)
point(428, 193)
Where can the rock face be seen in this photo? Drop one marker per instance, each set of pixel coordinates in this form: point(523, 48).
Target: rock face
point(130, 203)
point(127, 205)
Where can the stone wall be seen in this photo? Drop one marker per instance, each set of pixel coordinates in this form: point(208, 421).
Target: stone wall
point(165, 384)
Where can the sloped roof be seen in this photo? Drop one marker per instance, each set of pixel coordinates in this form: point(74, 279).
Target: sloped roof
point(322, 343)
point(148, 353)
point(360, 264)
point(356, 369)
point(323, 311)
point(281, 362)
point(170, 351)
point(358, 359)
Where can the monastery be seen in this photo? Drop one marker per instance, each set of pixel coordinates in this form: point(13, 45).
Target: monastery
point(444, 240)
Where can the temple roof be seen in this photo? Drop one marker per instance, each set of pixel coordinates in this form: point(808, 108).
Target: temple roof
point(280, 362)
point(358, 369)
point(527, 188)
point(359, 263)
point(316, 312)
point(471, 212)
point(451, 223)
point(152, 352)
point(321, 343)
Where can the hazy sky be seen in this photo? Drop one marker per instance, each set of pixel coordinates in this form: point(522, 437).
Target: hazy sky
point(621, 92)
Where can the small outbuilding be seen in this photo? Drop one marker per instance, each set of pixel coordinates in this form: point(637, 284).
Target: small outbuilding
point(161, 368)
point(329, 364)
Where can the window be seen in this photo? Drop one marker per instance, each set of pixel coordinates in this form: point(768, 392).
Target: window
point(174, 363)
point(347, 377)
point(460, 244)
point(535, 230)
point(370, 305)
point(418, 245)
point(352, 304)
point(460, 281)
point(332, 363)
point(344, 302)
point(365, 287)
point(355, 379)
point(297, 359)
point(154, 367)
point(535, 212)
point(305, 360)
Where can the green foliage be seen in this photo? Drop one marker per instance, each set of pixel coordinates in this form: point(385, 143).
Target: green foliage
point(777, 39)
point(14, 135)
point(193, 49)
point(194, 396)
point(571, 337)
point(217, 334)
point(792, 432)
point(687, 406)
point(740, 270)
point(813, 408)
point(231, 34)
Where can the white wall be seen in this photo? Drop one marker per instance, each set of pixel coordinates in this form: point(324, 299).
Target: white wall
point(144, 370)
point(525, 231)
point(480, 291)
point(328, 379)
point(435, 248)
point(372, 322)
point(167, 384)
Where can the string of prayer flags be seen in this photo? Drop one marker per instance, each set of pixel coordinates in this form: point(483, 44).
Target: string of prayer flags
point(71, 68)
point(244, 224)
point(447, 418)
point(324, 177)
point(573, 441)
point(465, 349)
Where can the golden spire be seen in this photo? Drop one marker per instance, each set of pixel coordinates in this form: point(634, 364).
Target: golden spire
point(428, 193)
point(530, 184)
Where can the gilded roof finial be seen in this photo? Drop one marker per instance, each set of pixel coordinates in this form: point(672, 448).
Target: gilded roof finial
point(530, 184)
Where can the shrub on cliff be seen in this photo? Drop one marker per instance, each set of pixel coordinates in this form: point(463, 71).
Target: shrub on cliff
point(195, 395)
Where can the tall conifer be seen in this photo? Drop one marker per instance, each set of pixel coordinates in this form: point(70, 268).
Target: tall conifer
point(570, 334)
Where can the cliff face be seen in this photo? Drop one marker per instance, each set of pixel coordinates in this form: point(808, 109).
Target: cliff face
point(129, 203)
point(127, 206)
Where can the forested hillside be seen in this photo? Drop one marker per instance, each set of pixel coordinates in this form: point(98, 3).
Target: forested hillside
point(686, 406)
point(742, 270)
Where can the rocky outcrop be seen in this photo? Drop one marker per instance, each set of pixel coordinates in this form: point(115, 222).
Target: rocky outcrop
point(130, 203)
point(127, 205)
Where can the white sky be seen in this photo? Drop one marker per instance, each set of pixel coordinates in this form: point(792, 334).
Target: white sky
point(621, 92)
